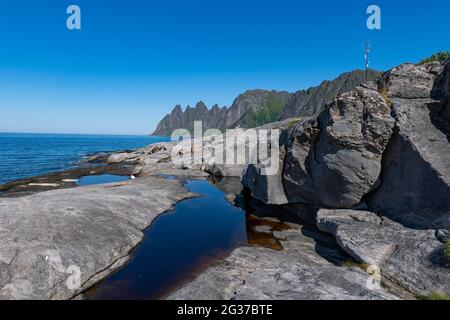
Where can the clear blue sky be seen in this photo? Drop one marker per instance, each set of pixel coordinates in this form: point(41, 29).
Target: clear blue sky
point(134, 60)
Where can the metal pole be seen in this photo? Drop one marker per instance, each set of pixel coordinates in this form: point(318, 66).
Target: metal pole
point(367, 48)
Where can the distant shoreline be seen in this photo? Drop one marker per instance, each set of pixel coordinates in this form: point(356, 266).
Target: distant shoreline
point(26, 155)
point(82, 134)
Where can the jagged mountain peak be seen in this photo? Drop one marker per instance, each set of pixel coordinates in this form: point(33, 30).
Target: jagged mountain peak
point(177, 110)
point(201, 106)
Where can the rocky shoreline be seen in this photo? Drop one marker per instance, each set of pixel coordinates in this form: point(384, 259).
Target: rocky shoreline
point(369, 175)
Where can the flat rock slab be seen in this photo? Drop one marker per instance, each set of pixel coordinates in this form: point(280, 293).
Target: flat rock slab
point(59, 180)
point(411, 258)
point(168, 169)
point(298, 272)
point(55, 244)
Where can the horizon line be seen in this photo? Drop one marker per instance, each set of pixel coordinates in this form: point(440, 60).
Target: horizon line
point(83, 134)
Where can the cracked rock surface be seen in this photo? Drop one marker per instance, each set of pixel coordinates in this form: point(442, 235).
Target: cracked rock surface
point(412, 258)
point(303, 270)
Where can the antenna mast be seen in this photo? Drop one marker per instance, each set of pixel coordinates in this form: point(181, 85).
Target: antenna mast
point(367, 48)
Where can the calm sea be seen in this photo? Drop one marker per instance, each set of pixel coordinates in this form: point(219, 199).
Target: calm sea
point(26, 155)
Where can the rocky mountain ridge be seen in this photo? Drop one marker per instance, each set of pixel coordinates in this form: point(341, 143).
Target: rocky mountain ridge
point(254, 108)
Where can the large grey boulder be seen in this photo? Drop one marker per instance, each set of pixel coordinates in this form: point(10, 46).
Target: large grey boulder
point(342, 159)
point(412, 258)
point(266, 188)
point(147, 155)
point(121, 157)
point(415, 188)
point(410, 81)
point(333, 160)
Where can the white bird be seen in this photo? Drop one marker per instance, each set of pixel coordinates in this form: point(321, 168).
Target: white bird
point(132, 177)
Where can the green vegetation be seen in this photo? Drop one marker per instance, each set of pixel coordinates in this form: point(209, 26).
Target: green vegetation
point(354, 264)
point(436, 296)
point(293, 122)
point(440, 56)
point(271, 111)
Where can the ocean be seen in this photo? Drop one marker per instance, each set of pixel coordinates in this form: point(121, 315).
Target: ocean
point(25, 155)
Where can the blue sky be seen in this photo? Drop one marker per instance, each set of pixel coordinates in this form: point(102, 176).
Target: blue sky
point(134, 60)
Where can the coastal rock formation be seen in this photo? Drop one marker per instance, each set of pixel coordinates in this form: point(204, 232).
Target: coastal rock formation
point(415, 188)
point(121, 157)
point(413, 257)
point(48, 239)
point(147, 155)
point(355, 150)
point(333, 160)
point(387, 146)
point(383, 149)
point(255, 108)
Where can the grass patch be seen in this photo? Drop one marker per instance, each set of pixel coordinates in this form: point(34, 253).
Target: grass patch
point(269, 112)
point(436, 296)
point(440, 56)
point(354, 264)
point(292, 123)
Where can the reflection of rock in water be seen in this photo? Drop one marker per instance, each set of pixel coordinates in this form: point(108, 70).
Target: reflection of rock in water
point(228, 185)
point(260, 231)
point(262, 220)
